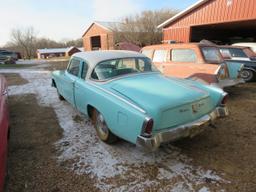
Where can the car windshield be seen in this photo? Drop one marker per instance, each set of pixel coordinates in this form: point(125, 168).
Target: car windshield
point(122, 66)
point(211, 55)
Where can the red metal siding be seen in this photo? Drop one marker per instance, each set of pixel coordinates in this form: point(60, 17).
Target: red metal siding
point(217, 11)
point(214, 11)
point(179, 34)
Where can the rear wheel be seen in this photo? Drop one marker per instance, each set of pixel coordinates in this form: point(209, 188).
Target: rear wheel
point(102, 129)
point(247, 75)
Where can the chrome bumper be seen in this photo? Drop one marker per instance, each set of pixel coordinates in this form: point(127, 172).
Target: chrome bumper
point(229, 82)
point(186, 130)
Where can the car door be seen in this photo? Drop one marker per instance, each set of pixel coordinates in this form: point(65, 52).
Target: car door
point(80, 88)
point(69, 78)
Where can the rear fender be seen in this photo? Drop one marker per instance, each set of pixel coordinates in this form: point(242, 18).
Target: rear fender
point(234, 69)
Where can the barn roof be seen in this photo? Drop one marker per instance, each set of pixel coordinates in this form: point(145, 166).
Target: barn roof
point(182, 13)
point(110, 26)
point(55, 50)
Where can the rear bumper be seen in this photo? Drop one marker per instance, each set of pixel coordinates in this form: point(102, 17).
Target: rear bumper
point(229, 82)
point(186, 130)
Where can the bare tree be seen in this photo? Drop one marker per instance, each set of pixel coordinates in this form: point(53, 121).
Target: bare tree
point(25, 41)
point(141, 29)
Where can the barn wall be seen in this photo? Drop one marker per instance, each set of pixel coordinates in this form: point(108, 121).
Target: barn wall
point(214, 11)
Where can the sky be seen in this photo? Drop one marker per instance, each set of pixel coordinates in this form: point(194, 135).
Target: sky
point(63, 20)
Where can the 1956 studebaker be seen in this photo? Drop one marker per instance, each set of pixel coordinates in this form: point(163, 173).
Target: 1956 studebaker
point(126, 97)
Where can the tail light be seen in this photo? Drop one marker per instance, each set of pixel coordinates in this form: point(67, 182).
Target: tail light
point(224, 99)
point(147, 127)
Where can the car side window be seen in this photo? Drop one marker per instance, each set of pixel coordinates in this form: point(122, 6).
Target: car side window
point(237, 52)
point(84, 70)
point(148, 53)
point(183, 55)
point(160, 55)
point(74, 67)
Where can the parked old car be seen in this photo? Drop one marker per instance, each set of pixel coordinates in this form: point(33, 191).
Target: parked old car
point(126, 97)
point(4, 124)
point(251, 45)
point(196, 61)
point(236, 55)
point(8, 57)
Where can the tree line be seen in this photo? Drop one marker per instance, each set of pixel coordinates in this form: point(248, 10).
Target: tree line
point(26, 42)
point(140, 29)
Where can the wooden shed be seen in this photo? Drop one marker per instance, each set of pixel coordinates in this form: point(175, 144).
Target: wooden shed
point(100, 36)
point(223, 21)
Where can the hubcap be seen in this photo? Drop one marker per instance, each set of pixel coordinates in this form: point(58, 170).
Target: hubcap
point(101, 127)
point(247, 75)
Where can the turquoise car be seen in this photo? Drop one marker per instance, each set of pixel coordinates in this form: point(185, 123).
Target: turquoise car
point(126, 97)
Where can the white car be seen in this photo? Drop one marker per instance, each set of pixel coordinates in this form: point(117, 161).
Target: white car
point(251, 45)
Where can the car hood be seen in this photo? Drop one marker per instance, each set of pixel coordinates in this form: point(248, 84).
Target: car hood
point(155, 91)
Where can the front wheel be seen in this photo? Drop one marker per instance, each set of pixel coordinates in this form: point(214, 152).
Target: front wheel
point(60, 96)
point(102, 129)
point(247, 75)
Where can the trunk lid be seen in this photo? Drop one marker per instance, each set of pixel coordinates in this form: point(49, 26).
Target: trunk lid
point(171, 101)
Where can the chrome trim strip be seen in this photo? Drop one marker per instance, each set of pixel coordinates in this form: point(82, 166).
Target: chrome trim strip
point(122, 76)
point(146, 120)
point(118, 97)
point(217, 70)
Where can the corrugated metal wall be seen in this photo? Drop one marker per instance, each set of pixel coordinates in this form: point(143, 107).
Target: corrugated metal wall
point(214, 11)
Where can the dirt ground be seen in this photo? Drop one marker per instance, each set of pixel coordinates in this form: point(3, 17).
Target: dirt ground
point(32, 164)
point(228, 150)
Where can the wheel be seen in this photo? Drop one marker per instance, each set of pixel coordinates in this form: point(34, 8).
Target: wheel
point(60, 96)
point(102, 129)
point(247, 75)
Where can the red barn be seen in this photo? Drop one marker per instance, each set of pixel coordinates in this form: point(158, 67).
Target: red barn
point(223, 21)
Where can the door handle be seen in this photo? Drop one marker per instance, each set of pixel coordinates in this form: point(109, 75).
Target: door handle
point(5, 92)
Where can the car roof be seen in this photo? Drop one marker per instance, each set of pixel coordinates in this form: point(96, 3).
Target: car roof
point(178, 45)
point(245, 44)
point(94, 57)
point(232, 46)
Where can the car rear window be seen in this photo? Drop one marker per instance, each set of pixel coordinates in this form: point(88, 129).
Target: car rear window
point(212, 55)
point(122, 66)
point(160, 56)
point(183, 55)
